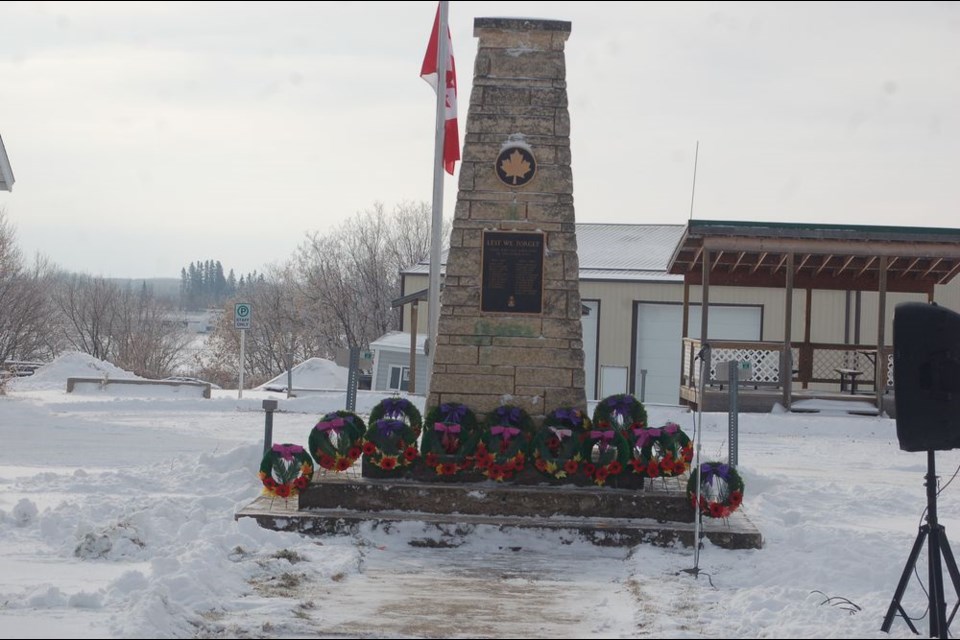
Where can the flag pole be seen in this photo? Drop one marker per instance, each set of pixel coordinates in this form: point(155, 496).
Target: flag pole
point(433, 294)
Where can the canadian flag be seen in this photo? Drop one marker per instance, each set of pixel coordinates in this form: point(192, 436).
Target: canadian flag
point(451, 134)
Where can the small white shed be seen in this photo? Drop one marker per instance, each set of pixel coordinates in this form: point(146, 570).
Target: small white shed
point(391, 363)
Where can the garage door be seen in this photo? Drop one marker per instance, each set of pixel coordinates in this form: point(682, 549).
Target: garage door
point(658, 339)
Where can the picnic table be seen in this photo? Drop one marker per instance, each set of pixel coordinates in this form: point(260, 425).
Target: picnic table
point(850, 374)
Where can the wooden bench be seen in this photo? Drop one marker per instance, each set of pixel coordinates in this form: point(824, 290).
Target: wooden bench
point(98, 384)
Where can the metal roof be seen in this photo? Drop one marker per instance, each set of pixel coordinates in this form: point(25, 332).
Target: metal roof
point(826, 256)
point(6, 173)
point(615, 251)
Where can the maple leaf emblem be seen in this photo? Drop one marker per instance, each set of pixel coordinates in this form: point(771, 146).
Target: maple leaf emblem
point(515, 166)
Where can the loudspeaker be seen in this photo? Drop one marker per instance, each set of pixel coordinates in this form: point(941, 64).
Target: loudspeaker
point(926, 376)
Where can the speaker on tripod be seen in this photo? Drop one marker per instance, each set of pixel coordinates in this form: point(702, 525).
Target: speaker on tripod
point(926, 380)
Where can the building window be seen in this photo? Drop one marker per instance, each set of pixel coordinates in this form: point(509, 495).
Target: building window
point(399, 378)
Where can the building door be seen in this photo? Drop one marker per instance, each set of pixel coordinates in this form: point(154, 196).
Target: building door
point(590, 322)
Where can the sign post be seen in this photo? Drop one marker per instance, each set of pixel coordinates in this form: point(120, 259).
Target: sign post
point(242, 315)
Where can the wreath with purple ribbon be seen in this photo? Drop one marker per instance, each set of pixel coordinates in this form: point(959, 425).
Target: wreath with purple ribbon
point(558, 444)
point(504, 442)
point(450, 437)
point(605, 452)
point(664, 452)
point(286, 470)
point(621, 411)
point(336, 441)
point(721, 489)
point(391, 438)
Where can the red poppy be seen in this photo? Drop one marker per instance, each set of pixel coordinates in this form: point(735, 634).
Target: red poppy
point(652, 469)
point(601, 474)
point(638, 467)
point(369, 448)
point(614, 467)
point(553, 444)
point(326, 461)
point(467, 463)
point(269, 483)
point(282, 490)
point(570, 466)
point(736, 499)
point(589, 469)
point(354, 452)
point(342, 464)
point(388, 463)
point(448, 469)
point(431, 460)
point(716, 510)
point(301, 483)
point(410, 454)
point(509, 465)
point(540, 464)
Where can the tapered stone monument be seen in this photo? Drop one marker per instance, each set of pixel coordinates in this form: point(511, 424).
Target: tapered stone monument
point(510, 329)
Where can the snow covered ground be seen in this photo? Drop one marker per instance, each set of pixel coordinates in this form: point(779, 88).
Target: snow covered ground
point(117, 520)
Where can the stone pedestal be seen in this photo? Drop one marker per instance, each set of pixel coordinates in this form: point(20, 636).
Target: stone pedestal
point(510, 330)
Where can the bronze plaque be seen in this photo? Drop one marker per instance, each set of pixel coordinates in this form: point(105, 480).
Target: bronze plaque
point(512, 279)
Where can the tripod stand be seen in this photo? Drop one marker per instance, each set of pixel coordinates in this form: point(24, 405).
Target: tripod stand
point(937, 545)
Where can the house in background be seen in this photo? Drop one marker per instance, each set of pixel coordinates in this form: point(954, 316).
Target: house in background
point(634, 306)
point(391, 363)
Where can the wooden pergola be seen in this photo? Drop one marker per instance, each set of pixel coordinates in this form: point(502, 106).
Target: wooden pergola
point(789, 256)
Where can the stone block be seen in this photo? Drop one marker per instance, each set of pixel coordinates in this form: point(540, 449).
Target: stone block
point(472, 384)
point(545, 376)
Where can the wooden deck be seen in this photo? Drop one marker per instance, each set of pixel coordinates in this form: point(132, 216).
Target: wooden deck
point(764, 399)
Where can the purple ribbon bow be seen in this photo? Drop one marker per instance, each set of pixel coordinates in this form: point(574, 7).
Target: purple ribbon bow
point(394, 406)
point(336, 425)
point(645, 435)
point(446, 428)
point(505, 432)
point(453, 412)
point(561, 433)
point(570, 415)
point(708, 472)
point(287, 451)
point(620, 404)
point(510, 415)
point(671, 428)
point(389, 427)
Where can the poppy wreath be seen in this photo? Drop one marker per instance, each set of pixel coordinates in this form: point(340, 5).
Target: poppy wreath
point(613, 452)
point(622, 411)
point(504, 442)
point(449, 441)
point(660, 453)
point(721, 489)
point(558, 444)
point(391, 438)
point(336, 441)
point(286, 470)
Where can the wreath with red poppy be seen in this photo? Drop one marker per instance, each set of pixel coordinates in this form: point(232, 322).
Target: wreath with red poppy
point(504, 443)
point(390, 441)
point(336, 441)
point(622, 410)
point(605, 452)
point(721, 490)
point(449, 441)
point(660, 453)
point(558, 445)
point(286, 470)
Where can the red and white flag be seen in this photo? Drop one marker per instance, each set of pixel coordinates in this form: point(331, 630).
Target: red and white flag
point(451, 135)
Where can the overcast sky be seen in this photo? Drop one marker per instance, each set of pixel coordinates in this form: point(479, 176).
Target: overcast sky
point(147, 135)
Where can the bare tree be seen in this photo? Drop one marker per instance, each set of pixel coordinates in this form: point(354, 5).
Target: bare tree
point(149, 338)
point(26, 316)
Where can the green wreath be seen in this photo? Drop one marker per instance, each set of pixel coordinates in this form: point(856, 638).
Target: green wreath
point(612, 453)
point(391, 438)
point(622, 411)
point(286, 470)
point(504, 442)
point(665, 452)
point(558, 444)
point(721, 491)
point(336, 441)
point(450, 437)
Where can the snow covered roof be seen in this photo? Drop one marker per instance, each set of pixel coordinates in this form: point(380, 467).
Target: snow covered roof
point(397, 341)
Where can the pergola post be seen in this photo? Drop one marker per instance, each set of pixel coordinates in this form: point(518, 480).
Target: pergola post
point(786, 366)
point(880, 370)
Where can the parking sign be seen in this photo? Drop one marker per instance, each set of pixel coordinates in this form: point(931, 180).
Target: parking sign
point(242, 314)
